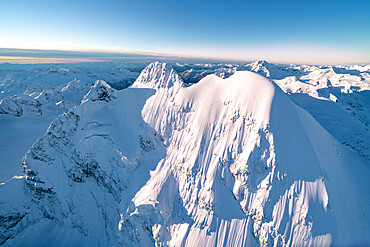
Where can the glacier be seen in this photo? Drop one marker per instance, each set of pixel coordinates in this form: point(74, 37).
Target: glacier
point(242, 157)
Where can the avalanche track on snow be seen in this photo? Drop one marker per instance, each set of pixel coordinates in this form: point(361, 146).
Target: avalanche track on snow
point(224, 162)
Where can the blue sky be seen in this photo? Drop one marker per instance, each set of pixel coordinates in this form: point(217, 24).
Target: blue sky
point(280, 31)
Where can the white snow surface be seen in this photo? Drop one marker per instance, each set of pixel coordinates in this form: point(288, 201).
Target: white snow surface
point(336, 96)
point(32, 96)
point(224, 162)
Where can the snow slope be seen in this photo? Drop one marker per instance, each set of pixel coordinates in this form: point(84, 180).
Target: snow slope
point(224, 162)
point(336, 96)
point(244, 135)
point(338, 99)
point(82, 173)
point(32, 96)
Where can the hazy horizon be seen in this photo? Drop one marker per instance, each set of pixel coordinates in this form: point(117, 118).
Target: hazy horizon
point(314, 32)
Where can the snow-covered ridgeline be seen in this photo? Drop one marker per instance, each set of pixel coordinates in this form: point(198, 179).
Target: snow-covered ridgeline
point(32, 96)
point(337, 96)
point(158, 75)
point(221, 139)
point(82, 172)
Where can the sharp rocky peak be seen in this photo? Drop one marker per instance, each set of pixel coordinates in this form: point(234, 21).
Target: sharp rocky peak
point(158, 75)
point(101, 91)
point(261, 62)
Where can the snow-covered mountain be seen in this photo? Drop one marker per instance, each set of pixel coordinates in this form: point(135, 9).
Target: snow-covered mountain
point(223, 162)
point(32, 96)
point(336, 96)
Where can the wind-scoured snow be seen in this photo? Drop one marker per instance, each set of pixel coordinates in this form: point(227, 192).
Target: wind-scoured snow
point(248, 170)
point(224, 162)
point(336, 96)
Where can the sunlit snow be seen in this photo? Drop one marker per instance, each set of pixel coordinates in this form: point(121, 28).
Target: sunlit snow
point(254, 154)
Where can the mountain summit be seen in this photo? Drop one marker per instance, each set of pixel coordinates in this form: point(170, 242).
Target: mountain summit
point(158, 75)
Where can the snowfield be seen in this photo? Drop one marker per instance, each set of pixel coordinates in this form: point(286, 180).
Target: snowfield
point(252, 154)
